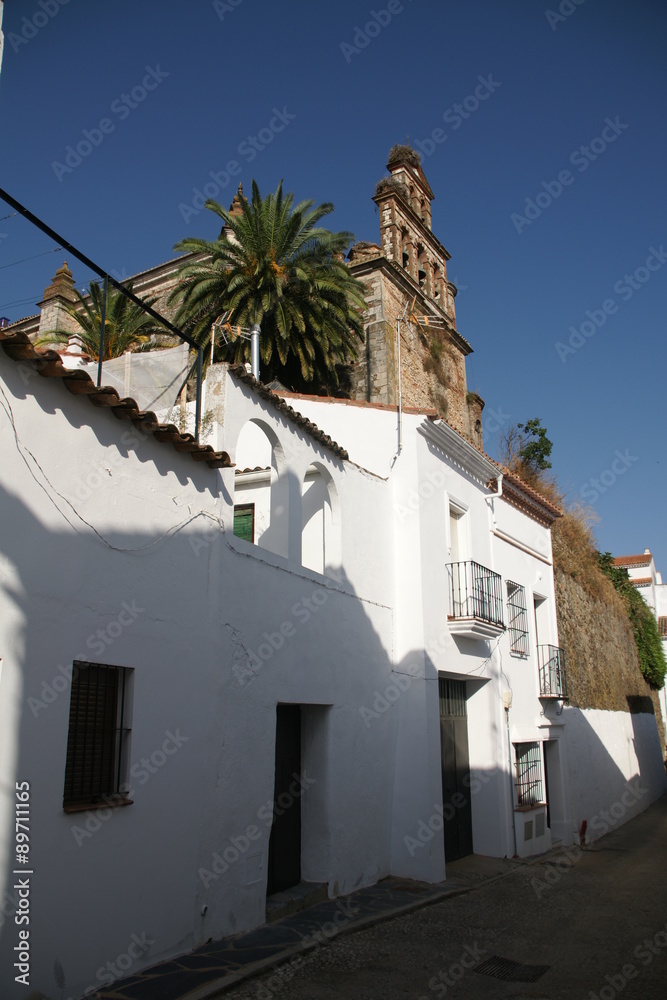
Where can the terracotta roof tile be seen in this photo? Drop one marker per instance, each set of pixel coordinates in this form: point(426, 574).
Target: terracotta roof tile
point(49, 364)
point(641, 581)
point(239, 372)
point(515, 490)
point(356, 402)
point(513, 484)
point(642, 560)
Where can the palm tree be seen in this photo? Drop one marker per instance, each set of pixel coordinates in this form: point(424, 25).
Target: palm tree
point(274, 266)
point(126, 325)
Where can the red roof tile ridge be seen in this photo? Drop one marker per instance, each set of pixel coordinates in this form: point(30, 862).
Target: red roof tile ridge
point(276, 399)
point(48, 363)
point(635, 560)
point(516, 480)
point(364, 403)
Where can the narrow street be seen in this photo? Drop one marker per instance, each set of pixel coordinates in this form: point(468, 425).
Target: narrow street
point(592, 925)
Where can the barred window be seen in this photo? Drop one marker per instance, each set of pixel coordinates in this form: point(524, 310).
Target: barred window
point(662, 626)
point(517, 615)
point(452, 697)
point(528, 773)
point(98, 735)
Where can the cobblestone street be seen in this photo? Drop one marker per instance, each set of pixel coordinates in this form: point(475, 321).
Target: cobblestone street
point(593, 925)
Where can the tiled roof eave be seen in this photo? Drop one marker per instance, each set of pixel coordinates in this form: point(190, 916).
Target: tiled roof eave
point(239, 372)
point(48, 364)
point(518, 492)
point(536, 507)
point(639, 560)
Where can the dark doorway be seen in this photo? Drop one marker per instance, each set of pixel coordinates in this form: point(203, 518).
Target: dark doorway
point(455, 769)
point(284, 868)
point(546, 786)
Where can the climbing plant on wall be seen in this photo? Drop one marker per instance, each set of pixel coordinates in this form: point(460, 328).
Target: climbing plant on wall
point(647, 638)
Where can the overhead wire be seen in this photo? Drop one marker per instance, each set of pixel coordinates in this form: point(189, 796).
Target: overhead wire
point(24, 259)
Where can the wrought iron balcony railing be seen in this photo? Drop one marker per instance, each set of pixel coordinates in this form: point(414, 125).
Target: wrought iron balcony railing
point(553, 681)
point(475, 592)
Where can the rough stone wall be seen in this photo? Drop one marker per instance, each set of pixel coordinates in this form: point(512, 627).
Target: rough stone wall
point(424, 382)
point(373, 377)
point(54, 316)
point(600, 653)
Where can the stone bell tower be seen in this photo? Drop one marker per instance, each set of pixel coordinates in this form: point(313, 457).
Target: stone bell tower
point(407, 282)
point(54, 306)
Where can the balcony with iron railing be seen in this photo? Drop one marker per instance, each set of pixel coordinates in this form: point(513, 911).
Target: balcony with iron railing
point(475, 601)
point(553, 680)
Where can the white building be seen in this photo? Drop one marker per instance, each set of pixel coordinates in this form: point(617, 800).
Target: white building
point(321, 648)
point(334, 663)
point(648, 581)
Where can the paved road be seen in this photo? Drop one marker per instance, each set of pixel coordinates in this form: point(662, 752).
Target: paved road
point(597, 921)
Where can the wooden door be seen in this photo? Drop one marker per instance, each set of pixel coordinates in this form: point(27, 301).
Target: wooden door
point(284, 868)
point(455, 769)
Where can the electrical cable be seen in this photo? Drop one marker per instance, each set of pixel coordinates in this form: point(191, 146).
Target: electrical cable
point(18, 302)
point(14, 263)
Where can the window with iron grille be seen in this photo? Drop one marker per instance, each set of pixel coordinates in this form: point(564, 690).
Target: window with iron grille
point(662, 626)
point(528, 773)
point(517, 614)
point(95, 768)
point(452, 697)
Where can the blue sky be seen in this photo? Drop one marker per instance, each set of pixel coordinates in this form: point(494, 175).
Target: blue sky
point(303, 91)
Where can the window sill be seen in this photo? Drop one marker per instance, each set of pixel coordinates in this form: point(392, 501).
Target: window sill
point(525, 809)
point(114, 802)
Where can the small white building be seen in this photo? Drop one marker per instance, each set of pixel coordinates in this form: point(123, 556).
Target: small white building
point(648, 581)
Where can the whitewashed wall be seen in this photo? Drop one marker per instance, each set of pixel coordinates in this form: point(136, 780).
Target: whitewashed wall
point(424, 483)
point(222, 631)
point(615, 765)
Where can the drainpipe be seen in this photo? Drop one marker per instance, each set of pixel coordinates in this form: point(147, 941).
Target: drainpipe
point(507, 700)
point(494, 496)
point(254, 350)
point(400, 394)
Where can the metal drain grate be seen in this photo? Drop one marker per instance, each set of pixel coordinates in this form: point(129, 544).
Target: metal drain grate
point(511, 972)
